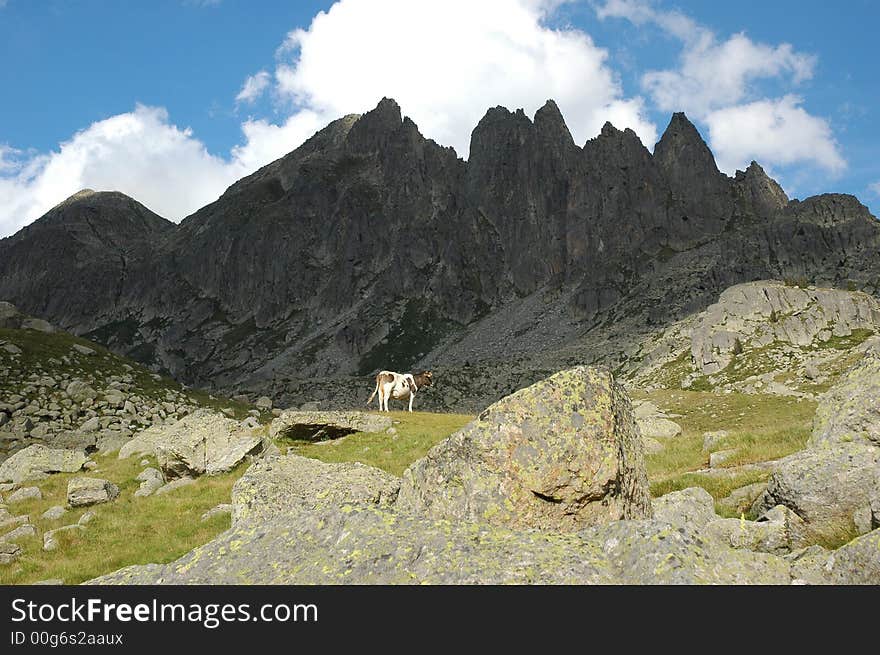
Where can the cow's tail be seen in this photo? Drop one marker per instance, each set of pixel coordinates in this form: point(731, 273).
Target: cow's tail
point(370, 399)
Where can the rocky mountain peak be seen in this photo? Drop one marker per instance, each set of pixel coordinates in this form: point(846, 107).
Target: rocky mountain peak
point(551, 125)
point(682, 152)
point(759, 190)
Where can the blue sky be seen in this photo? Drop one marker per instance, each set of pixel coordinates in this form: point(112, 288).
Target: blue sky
point(171, 101)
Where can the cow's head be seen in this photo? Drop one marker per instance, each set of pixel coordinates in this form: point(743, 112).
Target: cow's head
point(427, 378)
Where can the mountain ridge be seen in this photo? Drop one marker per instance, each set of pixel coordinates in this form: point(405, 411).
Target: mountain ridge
point(370, 246)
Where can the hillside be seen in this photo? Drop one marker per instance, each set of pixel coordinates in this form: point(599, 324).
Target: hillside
point(372, 247)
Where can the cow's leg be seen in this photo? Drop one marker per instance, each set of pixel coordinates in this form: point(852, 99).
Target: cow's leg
point(411, 396)
point(385, 395)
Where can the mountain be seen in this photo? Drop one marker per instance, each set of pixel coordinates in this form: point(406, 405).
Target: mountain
point(372, 247)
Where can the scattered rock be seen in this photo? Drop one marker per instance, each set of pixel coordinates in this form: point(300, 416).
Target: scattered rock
point(35, 461)
point(83, 350)
point(9, 552)
point(850, 410)
point(174, 485)
point(219, 510)
point(264, 403)
point(25, 493)
point(87, 517)
point(280, 485)
point(718, 458)
point(854, 563)
point(50, 538)
point(711, 440)
point(21, 532)
point(778, 531)
point(740, 500)
point(7, 521)
point(315, 425)
point(50, 582)
point(652, 446)
point(54, 513)
point(692, 508)
point(151, 479)
point(659, 428)
point(82, 492)
point(561, 454)
point(824, 485)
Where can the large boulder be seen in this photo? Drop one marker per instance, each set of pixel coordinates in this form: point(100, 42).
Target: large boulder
point(36, 461)
point(82, 492)
point(561, 454)
point(778, 531)
point(318, 425)
point(370, 544)
point(278, 485)
point(827, 486)
point(850, 410)
point(202, 442)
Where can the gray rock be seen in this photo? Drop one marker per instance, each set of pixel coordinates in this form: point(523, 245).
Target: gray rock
point(23, 494)
point(50, 582)
point(174, 485)
point(561, 454)
point(202, 442)
point(850, 410)
point(264, 403)
point(35, 461)
point(79, 391)
point(741, 500)
point(219, 510)
point(652, 446)
point(711, 440)
point(54, 513)
point(83, 350)
point(280, 485)
point(778, 531)
point(9, 552)
point(21, 532)
point(151, 479)
point(7, 521)
point(315, 425)
point(369, 544)
point(87, 517)
point(50, 538)
point(82, 492)
point(91, 425)
point(659, 428)
point(824, 485)
point(693, 508)
point(719, 457)
point(857, 562)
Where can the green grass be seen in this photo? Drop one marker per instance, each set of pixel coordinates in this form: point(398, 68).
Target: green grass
point(761, 427)
point(417, 433)
point(126, 531)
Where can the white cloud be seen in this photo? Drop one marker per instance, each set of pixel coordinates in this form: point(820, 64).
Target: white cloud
point(138, 153)
point(875, 188)
point(447, 63)
point(716, 83)
point(778, 131)
point(712, 73)
point(253, 87)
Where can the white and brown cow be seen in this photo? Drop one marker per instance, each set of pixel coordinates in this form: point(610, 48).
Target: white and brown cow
point(399, 385)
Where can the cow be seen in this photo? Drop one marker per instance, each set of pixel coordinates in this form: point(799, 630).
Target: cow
point(399, 385)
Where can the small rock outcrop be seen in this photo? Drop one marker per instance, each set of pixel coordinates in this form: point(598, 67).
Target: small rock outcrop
point(850, 410)
point(318, 425)
point(204, 442)
point(82, 492)
point(561, 454)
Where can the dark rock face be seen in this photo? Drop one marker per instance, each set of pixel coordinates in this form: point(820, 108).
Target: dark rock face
point(372, 247)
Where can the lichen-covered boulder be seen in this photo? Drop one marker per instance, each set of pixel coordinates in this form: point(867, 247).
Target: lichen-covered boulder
point(370, 544)
point(827, 486)
point(857, 562)
point(279, 485)
point(36, 461)
point(778, 531)
point(561, 454)
point(850, 410)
